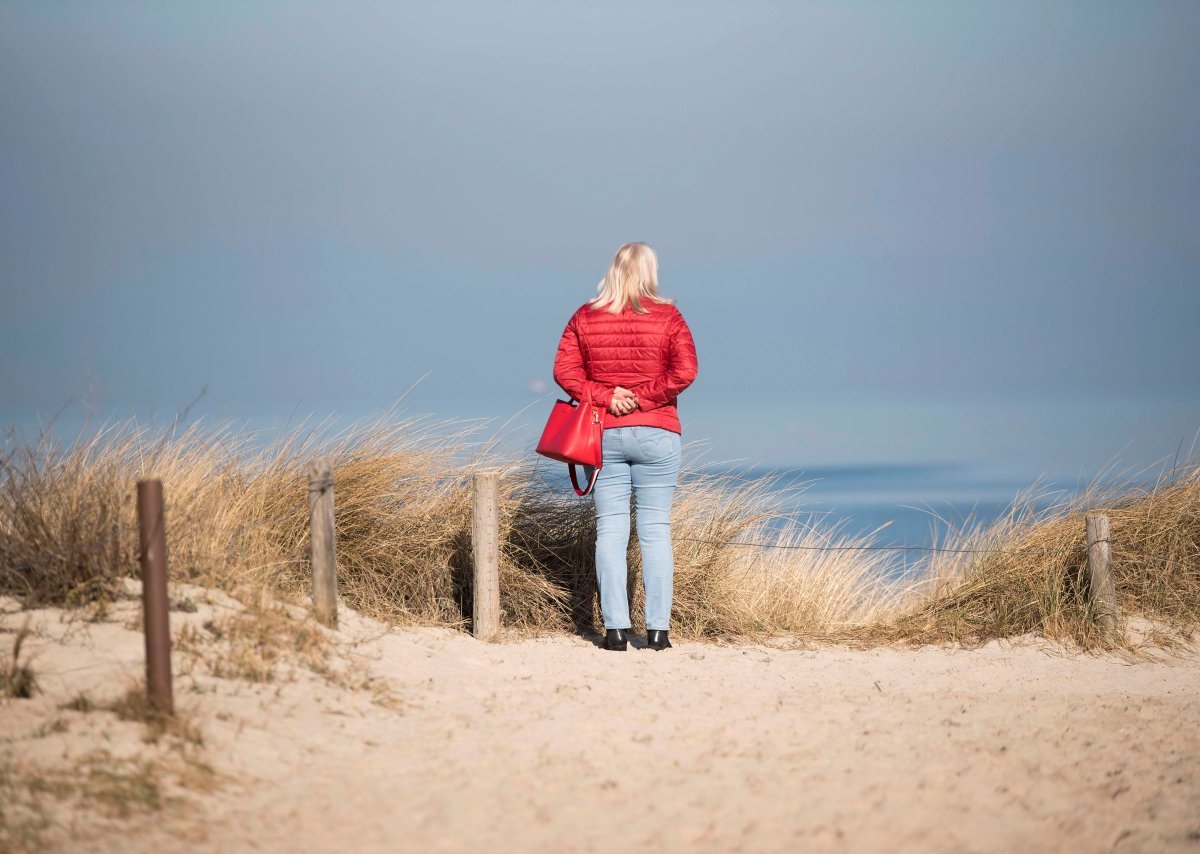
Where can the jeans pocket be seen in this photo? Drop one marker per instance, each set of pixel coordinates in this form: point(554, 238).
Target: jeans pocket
point(658, 443)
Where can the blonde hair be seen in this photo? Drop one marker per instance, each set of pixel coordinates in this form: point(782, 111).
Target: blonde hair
point(632, 278)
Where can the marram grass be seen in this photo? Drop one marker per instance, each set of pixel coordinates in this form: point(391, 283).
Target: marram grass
point(237, 519)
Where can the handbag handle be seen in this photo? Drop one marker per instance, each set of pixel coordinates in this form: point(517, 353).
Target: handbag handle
point(591, 483)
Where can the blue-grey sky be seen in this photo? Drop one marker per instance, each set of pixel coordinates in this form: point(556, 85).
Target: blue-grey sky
point(317, 204)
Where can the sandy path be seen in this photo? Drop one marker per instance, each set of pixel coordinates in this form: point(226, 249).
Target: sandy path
point(557, 745)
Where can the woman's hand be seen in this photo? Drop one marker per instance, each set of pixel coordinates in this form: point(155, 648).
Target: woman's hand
point(623, 401)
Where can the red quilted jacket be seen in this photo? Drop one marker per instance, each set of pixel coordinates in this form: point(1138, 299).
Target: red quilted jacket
point(650, 354)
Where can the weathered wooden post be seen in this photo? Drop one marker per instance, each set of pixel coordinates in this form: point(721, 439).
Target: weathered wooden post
point(1100, 581)
point(153, 558)
point(485, 543)
point(323, 537)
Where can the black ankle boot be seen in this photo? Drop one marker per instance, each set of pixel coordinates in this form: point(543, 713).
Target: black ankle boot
point(615, 640)
point(657, 639)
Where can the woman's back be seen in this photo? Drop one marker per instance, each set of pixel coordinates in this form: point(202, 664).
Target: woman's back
point(626, 349)
point(650, 353)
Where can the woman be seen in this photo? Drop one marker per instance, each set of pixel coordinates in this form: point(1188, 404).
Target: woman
point(632, 349)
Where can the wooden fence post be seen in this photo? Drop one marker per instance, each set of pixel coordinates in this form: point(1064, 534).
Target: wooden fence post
point(152, 555)
point(323, 536)
point(1100, 581)
point(485, 542)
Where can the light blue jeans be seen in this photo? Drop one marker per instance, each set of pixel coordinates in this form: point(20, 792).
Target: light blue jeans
point(646, 459)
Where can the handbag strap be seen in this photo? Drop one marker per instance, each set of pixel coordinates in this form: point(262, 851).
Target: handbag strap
point(591, 483)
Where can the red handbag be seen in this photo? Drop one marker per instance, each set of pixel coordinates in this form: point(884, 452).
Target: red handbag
point(574, 435)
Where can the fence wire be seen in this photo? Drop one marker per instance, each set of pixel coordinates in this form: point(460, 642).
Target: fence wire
point(798, 547)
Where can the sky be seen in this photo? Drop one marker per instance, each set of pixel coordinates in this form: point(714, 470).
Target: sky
point(897, 230)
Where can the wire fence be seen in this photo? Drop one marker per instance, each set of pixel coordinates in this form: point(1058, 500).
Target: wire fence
point(812, 548)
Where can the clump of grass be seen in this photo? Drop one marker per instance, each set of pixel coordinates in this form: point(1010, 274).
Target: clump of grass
point(24, 820)
point(119, 788)
point(17, 678)
point(31, 796)
point(81, 702)
point(268, 640)
point(54, 726)
point(68, 525)
point(36, 797)
point(251, 644)
point(1032, 577)
point(123, 789)
point(135, 705)
point(184, 605)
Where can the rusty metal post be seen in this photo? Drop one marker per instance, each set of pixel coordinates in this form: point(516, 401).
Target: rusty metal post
point(323, 536)
point(153, 556)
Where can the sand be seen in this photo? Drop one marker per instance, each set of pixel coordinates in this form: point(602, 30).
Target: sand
point(436, 742)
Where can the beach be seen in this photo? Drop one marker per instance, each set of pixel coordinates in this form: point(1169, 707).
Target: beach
point(880, 319)
point(428, 740)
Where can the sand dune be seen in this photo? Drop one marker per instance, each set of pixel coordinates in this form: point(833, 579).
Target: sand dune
point(426, 740)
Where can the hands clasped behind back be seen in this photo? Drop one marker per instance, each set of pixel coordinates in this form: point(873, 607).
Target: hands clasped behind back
point(623, 401)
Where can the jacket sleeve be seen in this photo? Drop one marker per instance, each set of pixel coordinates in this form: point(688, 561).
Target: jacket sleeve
point(569, 371)
point(681, 369)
